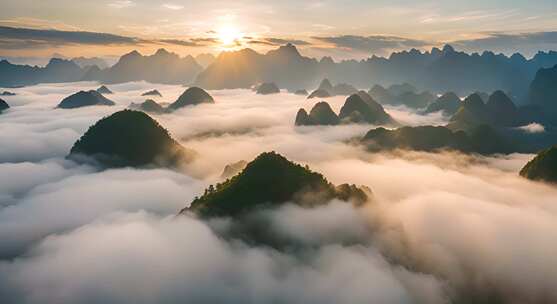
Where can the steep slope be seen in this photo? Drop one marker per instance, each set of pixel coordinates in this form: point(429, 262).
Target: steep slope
point(104, 90)
point(543, 167)
point(482, 140)
point(149, 106)
point(129, 138)
point(543, 92)
point(85, 99)
point(161, 67)
point(270, 180)
point(502, 110)
point(267, 89)
point(3, 106)
point(448, 104)
point(472, 112)
point(320, 114)
point(192, 96)
point(152, 93)
point(361, 108)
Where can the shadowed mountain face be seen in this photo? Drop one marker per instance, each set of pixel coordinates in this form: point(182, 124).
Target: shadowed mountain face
point(361, 108)
point(161, 67)
point(301, 92)
point(448, 104)
point(192, 96)
point(57, 70)
point(320, 114)
point(326, 89)
point(499, 111)
point(482, 139)
point(3, 106)
point(402, 94)
point(358, 108)
point(502, 110)
point(472, 112)
point(543, 167)
point(104, 90)
point(232, 169)
point(319, 94)
point(267, 89)
point(149, 106)
point(152, 93)
point(270, 181)
point(84, 99)
point(543, 92)
point(129, 138)
point(94, 61)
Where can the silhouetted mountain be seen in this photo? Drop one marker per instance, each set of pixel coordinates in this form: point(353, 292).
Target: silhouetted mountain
point(270, 181)
point(415, 100)
point(320, 114)
point(483, 95)
point(84, 62)
point(267, 89)
point(403, 88)
point(381, 94)
point(3, 106)
point(152, 93)
point(7, 93)
point(303, 119)
point(192, 96)
point(84, 99)
point(57, 70)
point(341, 89)
point(438, 71)
point(149, 106)
point(503, 111)
point(361, 108)
point(104, 90)
point(482, 139)
point(161, 67)
point(402, 94)
point(245, 68)
point(543, 92)
point(499, 111)
point(326, 85)
point(472, 112)
point(301, 92)
point(543, 167)
point(129, 138)
point(319, 94)
point(232, 169)
point(448, 103)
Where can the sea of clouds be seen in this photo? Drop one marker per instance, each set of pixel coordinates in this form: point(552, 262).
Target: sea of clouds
point(441, 228)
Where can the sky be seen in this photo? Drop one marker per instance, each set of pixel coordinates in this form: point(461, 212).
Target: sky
point(342, 29)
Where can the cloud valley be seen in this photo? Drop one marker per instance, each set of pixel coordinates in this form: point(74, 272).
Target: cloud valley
point(441, 228)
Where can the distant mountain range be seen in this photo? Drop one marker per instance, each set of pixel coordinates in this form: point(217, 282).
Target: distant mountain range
point(439, 70)
point(161, 67)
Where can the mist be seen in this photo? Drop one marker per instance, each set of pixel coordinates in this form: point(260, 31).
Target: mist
point(440, 228)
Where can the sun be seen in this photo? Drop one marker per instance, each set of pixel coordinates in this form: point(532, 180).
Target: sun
point(228, 35)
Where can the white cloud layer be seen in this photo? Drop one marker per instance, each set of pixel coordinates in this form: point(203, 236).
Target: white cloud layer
point(441, 227)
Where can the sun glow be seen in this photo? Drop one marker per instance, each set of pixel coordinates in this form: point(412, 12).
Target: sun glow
point(228, 35)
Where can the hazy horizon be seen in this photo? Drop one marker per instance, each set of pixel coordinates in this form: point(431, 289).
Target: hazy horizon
point(360, 29)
